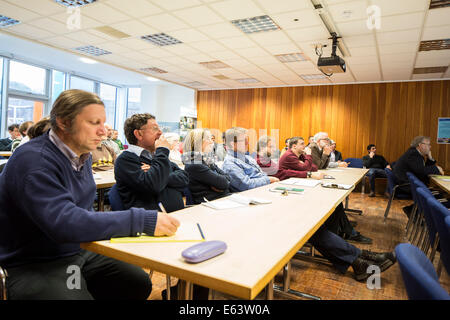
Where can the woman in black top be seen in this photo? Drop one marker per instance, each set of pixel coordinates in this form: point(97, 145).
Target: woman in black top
point(206, 180)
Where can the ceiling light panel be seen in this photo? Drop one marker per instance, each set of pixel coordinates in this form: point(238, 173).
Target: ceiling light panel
point(161, 39)
point(434, 4)
point(195, 84)
point(7, 22)
point(154, 70)
point(430, 70)
point(247, 80)
point(214, 64)
point(75, 3)
point(290, 57)
point(93, 51)
point(443, 44)
point(256, 24)
point(312, 76)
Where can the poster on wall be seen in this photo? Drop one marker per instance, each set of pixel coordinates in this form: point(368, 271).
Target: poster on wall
point(186, 124)
point(443, 135)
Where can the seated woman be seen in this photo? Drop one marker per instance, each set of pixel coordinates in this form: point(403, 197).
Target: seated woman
point(175, 154)
point(206, 180)
point(103, 157)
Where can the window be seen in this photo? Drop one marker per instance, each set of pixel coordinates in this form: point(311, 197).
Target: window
point(58, 84)
point(134, 101)
point(1, 81)
point(21, 110)
point(26, 78)
point(82, 84)
point(108, 96)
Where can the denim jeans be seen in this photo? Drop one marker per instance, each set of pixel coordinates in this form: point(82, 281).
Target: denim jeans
point(373, 174)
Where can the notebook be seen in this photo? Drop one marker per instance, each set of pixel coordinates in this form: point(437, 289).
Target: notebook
point(235, 201)
point(186, 232)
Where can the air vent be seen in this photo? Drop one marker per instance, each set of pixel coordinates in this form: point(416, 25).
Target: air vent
point(112, 32)
point(430, 70)
point(93, 51)
point(290, 57)
point(443, 44)
point(74, 3)
point(312, 76)
point(161, 39)
point(7, 22)
point(214, 64)
point(195, 84)
point(153, 70)
point(221, 77)
point(434, 4)
point(256, 24)
point(247, 80)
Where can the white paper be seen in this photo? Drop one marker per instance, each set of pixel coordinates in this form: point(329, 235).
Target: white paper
point(301, 182)
point(223, 204)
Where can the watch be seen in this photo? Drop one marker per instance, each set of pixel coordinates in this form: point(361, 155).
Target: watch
point(309, 174)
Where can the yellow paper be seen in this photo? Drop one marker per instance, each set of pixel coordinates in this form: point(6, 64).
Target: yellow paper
point(186, 232)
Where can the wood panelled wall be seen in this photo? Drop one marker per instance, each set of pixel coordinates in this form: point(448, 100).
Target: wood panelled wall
point(386, 114)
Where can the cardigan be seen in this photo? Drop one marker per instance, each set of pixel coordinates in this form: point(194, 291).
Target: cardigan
point(290, 165)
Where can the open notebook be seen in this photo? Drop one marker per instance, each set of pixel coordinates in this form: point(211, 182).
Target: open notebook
point(186, 232)
point(235, 201)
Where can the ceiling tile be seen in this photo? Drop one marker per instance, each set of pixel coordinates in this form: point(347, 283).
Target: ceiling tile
point(136, 55)
point(373, 75)
point(427, 76)
point(198, 58)
point(237, 42)
point(402, 22)
point(435, 33)
point(165, 22)
point(17, 13)
point(209, 46)
point(252, 52)
point(222, 30)
point(398, 36)
point(363, 51)
point(114, 47)
point(399, 48)
point(270, 38)
point(433, 59)
point(182, 49)
point(157, 52)
point(272, 6)
point(438, 17)
point(362, 60)
point(63, 42)
point(139, 9)
point(305, 34)
point(30, 32)
point(85, 21)
point(353, 28)
point(237, 9)
point(50, 25)
point(389, 7)
point(220, 55)
point(104, 13)
point(342, 77)
point(283, 48)
point(44, 8)
point(262, 61)
point(135, 44)
point(198, 16)
point(85, 37)
point(134, 28)
point(399, 75)
point(305, 18)
point(359, 41)
point(175, 60)
point(189, 35)
point(348, 11)
point(176, 4)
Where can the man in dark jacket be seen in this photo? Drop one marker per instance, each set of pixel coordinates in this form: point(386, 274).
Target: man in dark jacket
point(6, 144)
point(417, 160)
point(376, 164)
point(144, 174)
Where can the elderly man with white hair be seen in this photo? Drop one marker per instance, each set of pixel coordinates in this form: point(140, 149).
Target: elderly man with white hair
point(320, 150)
point(109, 142)
point(174, 142)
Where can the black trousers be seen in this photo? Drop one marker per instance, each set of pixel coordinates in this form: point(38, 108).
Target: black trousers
point(338, 222)
point(84, 276)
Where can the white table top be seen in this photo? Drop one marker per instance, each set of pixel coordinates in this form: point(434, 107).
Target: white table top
point(261, 239)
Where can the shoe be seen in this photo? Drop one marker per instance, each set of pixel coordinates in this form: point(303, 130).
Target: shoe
point(173, 293)
point(372, 194)
point(360, 267)
point(359, 238)
point(384, 259)
point(407, 210)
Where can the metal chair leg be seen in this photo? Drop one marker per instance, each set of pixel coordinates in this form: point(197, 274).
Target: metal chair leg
point(435, 245)
point(3, 276)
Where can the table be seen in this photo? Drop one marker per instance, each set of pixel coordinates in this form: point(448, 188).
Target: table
point(440, 182)
point(103, 181)
point(261, 239)
point(6, 154)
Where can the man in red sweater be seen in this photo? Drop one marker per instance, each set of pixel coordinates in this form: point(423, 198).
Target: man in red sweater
point(295, 162)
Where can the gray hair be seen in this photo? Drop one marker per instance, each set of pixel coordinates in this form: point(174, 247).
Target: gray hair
point(418, 140)
point(320, 135)
point(263, 142)
point(231, 135)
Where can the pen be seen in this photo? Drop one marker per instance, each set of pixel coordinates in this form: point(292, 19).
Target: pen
point(162, 207)
point(201, 232)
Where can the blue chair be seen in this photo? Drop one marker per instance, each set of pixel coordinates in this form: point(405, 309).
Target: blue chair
point(420, 278)
point(440, 213)
point(354, 162)
point(392, 188)
point(114, 199)
point(429, 232)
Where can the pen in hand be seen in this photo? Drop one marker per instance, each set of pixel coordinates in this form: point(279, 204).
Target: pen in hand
point(162, 207)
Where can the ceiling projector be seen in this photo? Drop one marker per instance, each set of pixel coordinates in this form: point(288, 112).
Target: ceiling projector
point(333, 64)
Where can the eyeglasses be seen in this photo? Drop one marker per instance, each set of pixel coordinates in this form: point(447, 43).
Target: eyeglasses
point(155, 128)
point(428, 144)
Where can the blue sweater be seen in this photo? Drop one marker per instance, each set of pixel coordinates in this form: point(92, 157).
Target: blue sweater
point(46, 207)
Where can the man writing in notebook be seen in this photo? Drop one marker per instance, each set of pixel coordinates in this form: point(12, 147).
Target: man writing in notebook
point(47, 193)
point(341, 254)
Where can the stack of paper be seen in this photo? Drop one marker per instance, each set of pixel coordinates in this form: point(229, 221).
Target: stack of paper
point(235, 201)
point(301, 182)
point(336, 185)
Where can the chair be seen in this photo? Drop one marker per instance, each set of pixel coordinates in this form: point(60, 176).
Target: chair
point(3, 276)
point(439, 214)
point(114, 199)
point(420, 278)
point(429, 232)
point(392, 188)
point(354, 162)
